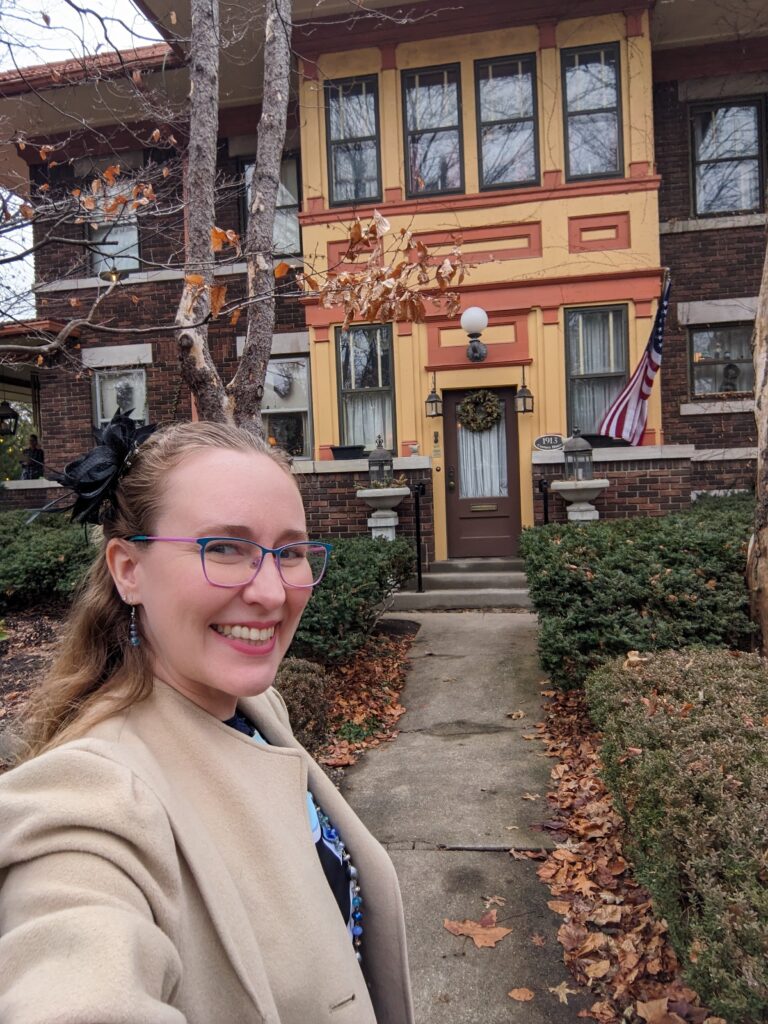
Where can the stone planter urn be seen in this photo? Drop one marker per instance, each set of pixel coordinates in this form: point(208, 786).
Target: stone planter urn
point(579, 494)
point(383, 501)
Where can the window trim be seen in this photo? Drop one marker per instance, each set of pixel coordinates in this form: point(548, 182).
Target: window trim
point(608, 307)
point(620, 171)
point(762, 140)
point(341, 391)
point(245, 161)
point(309, 438)
point(459, 127)
point(709, 396)
point(329, 143)
point(479, 123)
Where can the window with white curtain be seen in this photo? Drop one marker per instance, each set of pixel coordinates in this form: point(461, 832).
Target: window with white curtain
point(123, 390)
point(596, 357)
point(113, 225)
point(285, 407)
point(483, 461)
point(366, 394)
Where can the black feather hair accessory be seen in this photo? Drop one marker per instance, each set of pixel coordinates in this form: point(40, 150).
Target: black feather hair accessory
point(94, 476)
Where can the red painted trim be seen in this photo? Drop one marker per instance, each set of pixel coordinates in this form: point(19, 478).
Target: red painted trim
point(324, 453)
point(393, 195)
point(404, 329)
point(91, 68)
point(552, 179)
point(550, 314)
point(634, 16)
point(316, 204)
point(454, 357)
point(310, 70)
point(325, 35)
point(482, 200)
point(322, 334)
point(388, 56)
point(547, 34)
point(738, 55)
point(579, 229)
point(405, 448)
point(26, 327)
point(643, 309)
point(640, 169)
point(506, 299)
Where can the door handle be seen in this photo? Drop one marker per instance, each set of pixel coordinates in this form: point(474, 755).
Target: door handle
point(451, 478)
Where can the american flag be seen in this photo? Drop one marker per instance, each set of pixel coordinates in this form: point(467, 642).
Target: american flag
point(627, 417)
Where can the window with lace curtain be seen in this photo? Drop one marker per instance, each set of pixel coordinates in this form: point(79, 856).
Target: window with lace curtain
point(366, 393)
point(596, 358)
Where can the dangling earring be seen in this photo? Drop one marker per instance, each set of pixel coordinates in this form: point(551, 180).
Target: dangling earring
point(133, 630)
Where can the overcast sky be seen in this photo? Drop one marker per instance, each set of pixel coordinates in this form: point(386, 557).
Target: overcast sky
point(27, 39)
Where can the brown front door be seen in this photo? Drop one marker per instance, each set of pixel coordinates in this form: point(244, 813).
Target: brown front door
point(481, 482)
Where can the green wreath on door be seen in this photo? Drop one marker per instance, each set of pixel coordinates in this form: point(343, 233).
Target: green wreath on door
point(479, 411)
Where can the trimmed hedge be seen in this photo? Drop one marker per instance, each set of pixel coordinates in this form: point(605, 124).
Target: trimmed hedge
point(685, 754)
point(42, 561)
point(604, 588)
point(305, 688)
point(362, 575)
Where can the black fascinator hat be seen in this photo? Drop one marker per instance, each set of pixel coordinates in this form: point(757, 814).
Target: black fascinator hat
point(94, 476)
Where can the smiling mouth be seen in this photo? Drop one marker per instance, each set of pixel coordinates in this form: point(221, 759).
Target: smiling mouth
point(247, 633)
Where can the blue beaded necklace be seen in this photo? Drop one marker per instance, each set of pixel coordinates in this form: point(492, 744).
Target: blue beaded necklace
point(332, 836)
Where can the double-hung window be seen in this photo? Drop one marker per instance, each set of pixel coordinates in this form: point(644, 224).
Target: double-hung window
point(721, 359)
point(285, 408)
point(286, 235)
point(506, 115)
point(728, 142)
point(596, 357)
point(432, 115)
point(352, 127)
point(592, 100)
point(113, 228)
point(365, 385)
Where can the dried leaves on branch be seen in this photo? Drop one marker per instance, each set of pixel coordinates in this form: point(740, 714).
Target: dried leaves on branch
point(389, 276)
point(611, 939)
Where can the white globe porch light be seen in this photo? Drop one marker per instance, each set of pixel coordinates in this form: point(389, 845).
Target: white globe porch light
point(474, 321)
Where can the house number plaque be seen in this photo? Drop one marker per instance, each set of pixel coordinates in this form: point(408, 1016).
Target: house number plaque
point(549, 442)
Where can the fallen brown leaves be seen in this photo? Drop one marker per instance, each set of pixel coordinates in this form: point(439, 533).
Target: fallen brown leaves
point(611, 940)
point(485, 933)
point(366, 696)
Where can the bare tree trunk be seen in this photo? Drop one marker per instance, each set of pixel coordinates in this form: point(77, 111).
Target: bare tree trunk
point(247, 386)
point(757, 560)
point(197, 367)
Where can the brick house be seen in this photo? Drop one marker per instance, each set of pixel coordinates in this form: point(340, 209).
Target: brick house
point(574, 157)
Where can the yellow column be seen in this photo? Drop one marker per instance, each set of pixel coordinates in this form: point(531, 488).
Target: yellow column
point(638, 86)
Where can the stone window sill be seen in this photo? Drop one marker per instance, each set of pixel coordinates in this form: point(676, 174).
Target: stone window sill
point(720, 408)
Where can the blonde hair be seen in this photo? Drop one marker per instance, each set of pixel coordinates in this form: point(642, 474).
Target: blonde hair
point(97, 673)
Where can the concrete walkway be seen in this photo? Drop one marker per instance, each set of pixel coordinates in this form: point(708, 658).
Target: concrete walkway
point(446, 799)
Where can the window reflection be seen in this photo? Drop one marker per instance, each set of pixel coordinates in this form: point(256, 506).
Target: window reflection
point(721, 359)
point(433, 136)
point(507, 114)
point(592, 114)
point(726, 158)
point(352, 117)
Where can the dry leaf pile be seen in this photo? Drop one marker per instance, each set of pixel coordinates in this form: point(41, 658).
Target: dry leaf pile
point(611, 939)
point(366, 691)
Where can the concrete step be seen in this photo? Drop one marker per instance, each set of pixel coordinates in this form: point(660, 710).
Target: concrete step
point(472, 581)
point(478, 565)
point(433, 600)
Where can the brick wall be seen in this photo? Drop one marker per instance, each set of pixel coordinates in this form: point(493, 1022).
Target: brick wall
point(651, 488)
point(334, 510)
point(714, 264)
point(725, 475)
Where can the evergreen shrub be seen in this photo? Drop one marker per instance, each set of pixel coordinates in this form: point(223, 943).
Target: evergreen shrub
point(602, 589)
point(362, 575)
point(305, 688)
point(40, 562)
point(685, 754)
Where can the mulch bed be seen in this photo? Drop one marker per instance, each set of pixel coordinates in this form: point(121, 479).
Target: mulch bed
point(26, 654)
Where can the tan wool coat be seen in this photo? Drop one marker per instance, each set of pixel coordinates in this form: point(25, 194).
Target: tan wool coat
point(161, 870)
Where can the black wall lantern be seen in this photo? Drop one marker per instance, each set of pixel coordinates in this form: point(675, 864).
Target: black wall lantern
point(9, 419)
point(380, 464)
point(474, 321)
point(433, 403)
point(578, 457)
point(523, 400)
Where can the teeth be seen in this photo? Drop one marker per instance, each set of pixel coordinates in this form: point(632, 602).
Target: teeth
point(247, 633)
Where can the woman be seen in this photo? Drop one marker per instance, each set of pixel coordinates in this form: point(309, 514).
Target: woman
point(168, 852)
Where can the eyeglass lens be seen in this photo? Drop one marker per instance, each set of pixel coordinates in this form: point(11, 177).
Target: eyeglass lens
point(232, 563)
